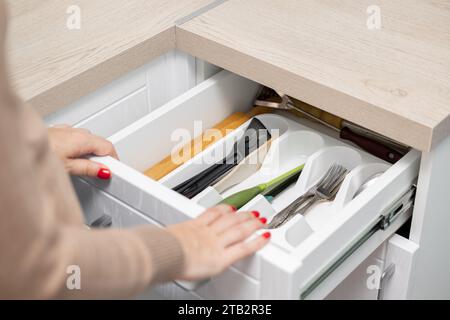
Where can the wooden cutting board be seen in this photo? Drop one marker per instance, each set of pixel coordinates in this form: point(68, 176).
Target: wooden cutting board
point(197, 145)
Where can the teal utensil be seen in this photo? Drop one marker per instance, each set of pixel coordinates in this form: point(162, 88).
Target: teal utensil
point(239, 199)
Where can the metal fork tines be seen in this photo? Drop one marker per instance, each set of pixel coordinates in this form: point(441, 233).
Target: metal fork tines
point(325, 190)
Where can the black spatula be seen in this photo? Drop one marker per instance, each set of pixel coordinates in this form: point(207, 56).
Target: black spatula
point(255, 135)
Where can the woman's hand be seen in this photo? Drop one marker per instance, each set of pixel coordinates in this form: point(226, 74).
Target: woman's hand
point(72, 145)
point(217, 239)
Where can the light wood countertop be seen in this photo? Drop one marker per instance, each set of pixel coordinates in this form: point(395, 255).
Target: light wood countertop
point(395, 80)
point(52, 66)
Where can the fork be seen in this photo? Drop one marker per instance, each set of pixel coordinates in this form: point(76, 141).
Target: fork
point(324, 190)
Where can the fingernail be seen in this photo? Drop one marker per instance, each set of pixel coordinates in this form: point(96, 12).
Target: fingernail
point(256, 214)
point(104, 174)
point(263, 220)
point(233, 208)
point(266, 235)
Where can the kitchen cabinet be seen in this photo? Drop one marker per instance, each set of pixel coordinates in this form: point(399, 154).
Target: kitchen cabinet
point(393, 81)
point(134, 95)
point(288, 267)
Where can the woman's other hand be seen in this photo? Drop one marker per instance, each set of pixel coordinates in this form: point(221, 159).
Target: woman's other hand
point(217, 239)
point(72, 145)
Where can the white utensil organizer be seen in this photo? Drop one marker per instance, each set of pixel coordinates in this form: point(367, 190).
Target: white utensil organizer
point(308, 256)
point(296, 144)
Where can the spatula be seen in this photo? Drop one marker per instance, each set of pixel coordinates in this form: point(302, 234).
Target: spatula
point(243, 170)
point(255, 135)
point(273, 192)
point(239, 199)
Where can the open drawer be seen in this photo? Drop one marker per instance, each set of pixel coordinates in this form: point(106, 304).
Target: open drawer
point(310, 255)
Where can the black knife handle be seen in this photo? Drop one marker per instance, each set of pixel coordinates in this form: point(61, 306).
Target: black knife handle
point(371, 146)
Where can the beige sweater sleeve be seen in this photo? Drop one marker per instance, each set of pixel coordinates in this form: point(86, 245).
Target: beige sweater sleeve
point(43, 241)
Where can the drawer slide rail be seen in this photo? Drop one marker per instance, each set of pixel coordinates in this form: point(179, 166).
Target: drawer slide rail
point(400, 206)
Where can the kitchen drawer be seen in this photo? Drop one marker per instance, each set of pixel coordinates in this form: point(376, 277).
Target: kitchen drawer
point(117, 116)
point(307, 257)
point(132, 96)
point(96, 203)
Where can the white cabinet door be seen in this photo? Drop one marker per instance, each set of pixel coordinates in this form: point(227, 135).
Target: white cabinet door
point(125, 100)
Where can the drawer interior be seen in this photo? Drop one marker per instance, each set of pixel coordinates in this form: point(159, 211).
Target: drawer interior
point(152, 137)
point(306, 245)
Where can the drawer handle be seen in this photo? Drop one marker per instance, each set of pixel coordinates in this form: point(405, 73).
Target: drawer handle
point(105, 221)
point(385, 277)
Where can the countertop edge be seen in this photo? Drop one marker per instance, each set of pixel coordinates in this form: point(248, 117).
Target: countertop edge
point(415, 135)
point(103, 73)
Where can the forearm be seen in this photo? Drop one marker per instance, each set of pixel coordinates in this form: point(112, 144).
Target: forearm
point(121, 263)
point(74, 263)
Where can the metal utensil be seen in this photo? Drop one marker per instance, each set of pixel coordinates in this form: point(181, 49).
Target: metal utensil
point(325, 190)
point(370, 141)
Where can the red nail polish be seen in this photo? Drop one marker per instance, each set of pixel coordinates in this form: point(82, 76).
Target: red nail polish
point(256, 214)
point(263, 220)
point(104, 174)
point(233, 208)
point(266, 235)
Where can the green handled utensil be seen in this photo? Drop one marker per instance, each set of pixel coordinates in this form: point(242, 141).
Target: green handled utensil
point(239, 199)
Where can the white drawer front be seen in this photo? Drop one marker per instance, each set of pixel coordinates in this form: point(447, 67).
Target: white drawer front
point(400, 253)
point(302, 253)
point(96, 203)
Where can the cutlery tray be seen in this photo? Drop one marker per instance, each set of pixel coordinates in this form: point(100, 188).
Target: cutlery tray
point(295, 144)
point(302, 250)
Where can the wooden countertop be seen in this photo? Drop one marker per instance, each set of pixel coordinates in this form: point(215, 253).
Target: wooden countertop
point(52, 66)
point(395, 80)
